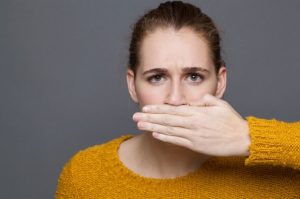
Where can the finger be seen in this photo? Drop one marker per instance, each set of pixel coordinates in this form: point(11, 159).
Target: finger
point(183, 110)
point(172, 139)
point(168, 130)
point(163, 119)
point(208, 100)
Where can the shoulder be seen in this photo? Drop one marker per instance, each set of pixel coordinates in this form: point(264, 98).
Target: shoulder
point(88, 167)
point(94, 160)
point(94, 156)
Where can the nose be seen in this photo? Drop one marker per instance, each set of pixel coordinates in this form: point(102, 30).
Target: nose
point(175, 95)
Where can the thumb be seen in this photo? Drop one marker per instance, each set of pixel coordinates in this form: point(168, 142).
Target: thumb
point(208, 100)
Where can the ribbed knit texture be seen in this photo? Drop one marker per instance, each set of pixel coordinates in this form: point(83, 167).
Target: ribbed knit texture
point(274, 142)
point(97, 172)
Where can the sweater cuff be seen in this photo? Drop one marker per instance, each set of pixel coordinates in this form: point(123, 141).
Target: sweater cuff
point(271, 142)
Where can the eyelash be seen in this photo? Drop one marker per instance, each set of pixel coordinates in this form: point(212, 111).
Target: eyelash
point(151, 78)
point(196, 74)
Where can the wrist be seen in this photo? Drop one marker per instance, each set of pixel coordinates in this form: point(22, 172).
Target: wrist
point(246, 138)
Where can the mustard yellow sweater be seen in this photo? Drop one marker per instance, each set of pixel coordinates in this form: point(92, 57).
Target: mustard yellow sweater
point(271, 171)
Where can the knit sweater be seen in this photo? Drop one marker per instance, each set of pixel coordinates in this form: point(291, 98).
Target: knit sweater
point(270, 171)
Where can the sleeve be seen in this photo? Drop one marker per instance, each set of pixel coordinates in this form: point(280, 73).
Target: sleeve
point(274, 143)
point(66, 187)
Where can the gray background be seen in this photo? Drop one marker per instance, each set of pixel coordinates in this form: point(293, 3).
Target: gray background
point(62, 80)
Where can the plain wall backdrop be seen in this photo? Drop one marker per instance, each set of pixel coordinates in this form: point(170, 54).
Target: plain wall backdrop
point(62, 76)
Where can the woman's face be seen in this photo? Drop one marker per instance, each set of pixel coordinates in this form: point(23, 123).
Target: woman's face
point(176, 69)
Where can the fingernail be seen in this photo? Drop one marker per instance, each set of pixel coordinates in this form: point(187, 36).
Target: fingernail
point(135, 116)
point(146, 108)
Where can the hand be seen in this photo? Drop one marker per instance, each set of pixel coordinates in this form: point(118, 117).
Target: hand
point(211, 127)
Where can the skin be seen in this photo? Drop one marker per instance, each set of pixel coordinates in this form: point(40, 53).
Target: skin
point(213, 127)
point(176, 76)
point(175, 50)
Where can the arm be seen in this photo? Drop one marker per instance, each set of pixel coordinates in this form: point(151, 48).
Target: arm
point(213, 127)
point(65, 186)
point(274, 142)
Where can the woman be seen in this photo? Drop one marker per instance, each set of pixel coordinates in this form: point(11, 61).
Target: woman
point(175, 62)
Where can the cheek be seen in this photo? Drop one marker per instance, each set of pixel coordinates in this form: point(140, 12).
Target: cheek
point(195, 94)
point(149, 95)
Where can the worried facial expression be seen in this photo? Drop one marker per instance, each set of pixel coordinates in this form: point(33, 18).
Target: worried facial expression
point(175, 68)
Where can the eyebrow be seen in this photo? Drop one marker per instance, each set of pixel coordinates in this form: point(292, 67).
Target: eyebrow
point(185, 70)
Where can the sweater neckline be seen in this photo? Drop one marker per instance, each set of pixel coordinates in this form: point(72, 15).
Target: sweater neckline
point(123, 172)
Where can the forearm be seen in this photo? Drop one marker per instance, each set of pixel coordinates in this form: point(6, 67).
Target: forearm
point(274, 143)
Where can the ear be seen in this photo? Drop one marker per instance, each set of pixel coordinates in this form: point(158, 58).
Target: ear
point(131, 85)
point(222, 81)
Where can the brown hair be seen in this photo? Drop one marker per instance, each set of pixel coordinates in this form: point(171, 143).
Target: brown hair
point(175, 14)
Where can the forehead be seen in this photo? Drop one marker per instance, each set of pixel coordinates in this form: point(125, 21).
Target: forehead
point(174, 49)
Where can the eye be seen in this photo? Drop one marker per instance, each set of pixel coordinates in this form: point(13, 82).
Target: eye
point(195, 77)
point(155, 78)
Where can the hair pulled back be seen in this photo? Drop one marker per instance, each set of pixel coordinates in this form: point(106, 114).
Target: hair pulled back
point(177, 15)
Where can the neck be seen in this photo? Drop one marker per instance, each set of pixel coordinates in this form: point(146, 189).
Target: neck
point(165, 160)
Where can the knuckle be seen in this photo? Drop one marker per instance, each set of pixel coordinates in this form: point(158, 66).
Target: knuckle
point(206, 96)
point(170, 129)
point(164, 120)
point(148, 117)
point(153, 127)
